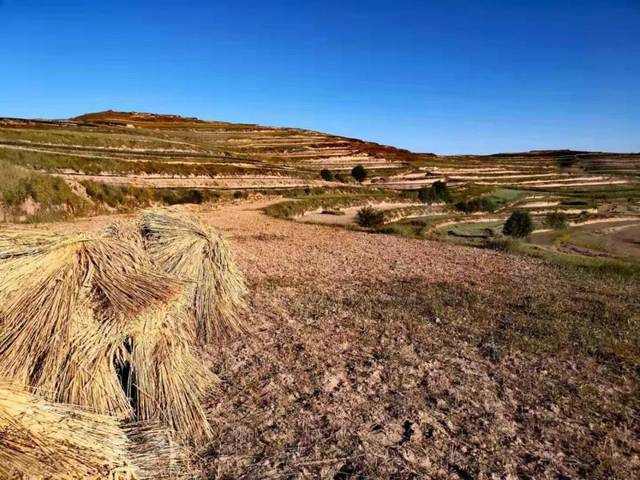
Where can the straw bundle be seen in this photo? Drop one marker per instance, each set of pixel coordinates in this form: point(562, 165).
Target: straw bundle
point(44, 440)
point(155, 454)
point(183, 247)
point(168, 379)
point(110, 321)
point(67, 302)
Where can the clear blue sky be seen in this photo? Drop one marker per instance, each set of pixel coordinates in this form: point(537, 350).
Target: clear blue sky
point(436, 76)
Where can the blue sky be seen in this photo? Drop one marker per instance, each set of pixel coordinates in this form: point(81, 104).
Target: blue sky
point(434, 76)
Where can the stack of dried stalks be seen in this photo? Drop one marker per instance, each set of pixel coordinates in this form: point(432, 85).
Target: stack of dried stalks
point(185, 248)
point(110, 322)
point(68, 302)
point(169, 380)
point(39, 439)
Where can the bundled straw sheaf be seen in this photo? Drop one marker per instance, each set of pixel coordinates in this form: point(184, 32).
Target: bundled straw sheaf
point(110, 323)
point(168, 379)
point(67, 304)
point(156, 455)
point(185, 248)
point(42, 440)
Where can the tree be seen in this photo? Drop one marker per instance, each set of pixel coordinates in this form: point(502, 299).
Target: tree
point(359, 173)
point(440, 190)
point(556, 220)
point(476, 204)
point(326, 175)
point(370, 217)
point(426, 195)
point(518, 225)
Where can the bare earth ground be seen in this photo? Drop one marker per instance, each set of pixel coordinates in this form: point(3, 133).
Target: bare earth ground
point(373, 356)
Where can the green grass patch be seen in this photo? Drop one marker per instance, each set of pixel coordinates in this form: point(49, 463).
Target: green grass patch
point(53, 198)
point(598, 265)
point(127, 198)
point(477, 229)
point(309, 202)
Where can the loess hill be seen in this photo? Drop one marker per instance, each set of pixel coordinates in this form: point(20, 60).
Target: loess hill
point(118, 160)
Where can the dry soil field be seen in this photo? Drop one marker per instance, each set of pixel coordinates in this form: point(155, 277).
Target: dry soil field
point(375, 356)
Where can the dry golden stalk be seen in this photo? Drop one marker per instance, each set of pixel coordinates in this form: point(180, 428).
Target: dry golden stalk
point(67, 302)
point(41, 440)
point(167, 380)
point(185, 248)
point(171, 381)
point(156, 455)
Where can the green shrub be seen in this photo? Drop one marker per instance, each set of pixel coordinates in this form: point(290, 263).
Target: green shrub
point(359, 173)
point(477, 204)
point(326, 175)
point(518, 225)
point(441, 190)
point(426, 195)
point(370, 217)
point(176, 196)
point(438, 191)
point(341, 177)
point(556, 220)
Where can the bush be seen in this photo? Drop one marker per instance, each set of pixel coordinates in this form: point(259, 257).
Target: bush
point(180, 196)
point(359, 173)
point(426, 195)
point(518, 225)
point(441, 191)
point(438, 191)
point(341, 177)
point(556, 220)
point(478, 204)
point(326, 175)
point(370, 217)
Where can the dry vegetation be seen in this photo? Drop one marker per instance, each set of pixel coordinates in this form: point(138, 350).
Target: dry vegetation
point(441, 361)
point(96, 320)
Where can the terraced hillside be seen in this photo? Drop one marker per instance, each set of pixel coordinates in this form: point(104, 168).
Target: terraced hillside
point(171, 151)
point(118, 161)
point(543, 170)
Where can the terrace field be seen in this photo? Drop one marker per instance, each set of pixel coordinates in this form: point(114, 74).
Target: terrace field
point(119, 161)
point(377, 356)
